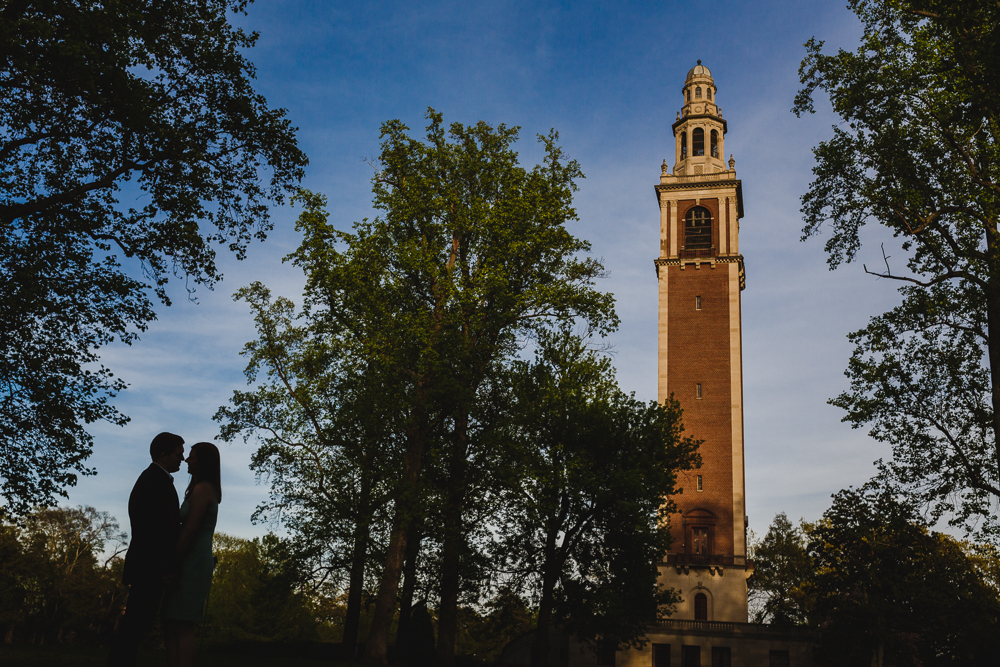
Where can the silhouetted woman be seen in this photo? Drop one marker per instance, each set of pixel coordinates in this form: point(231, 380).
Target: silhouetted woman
point(184, 604)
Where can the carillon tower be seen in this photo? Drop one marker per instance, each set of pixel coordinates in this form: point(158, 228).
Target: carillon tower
point(700, 274)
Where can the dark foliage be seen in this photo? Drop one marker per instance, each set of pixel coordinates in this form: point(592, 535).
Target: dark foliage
point(257, 593)
point(917, 153)
point(890, 592)
point(60, 577)
point(778, 588)
point(131, 143)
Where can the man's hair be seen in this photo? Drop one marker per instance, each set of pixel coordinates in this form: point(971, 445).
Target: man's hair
point(163, 443)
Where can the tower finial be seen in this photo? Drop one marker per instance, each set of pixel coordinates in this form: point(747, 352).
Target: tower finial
point(663, 167)
point(732, 162)
point(699, 62)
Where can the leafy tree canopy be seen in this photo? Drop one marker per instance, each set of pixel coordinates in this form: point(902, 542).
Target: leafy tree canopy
point(60, 576)
point(131, 143)
point(917, 154)
point(890, 592)
point(256, 592)
point(587, 518)
point(470, 255)
point(778, 588)
point(324, 427)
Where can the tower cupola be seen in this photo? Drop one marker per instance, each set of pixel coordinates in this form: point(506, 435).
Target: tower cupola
point(699, 132)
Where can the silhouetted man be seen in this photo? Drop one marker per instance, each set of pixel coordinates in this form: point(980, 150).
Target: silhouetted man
point(154, 514)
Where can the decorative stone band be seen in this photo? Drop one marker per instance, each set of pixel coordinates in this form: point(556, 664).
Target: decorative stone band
point(704, 559)
point(681, 182)
point(698, 261)
point(695, 116)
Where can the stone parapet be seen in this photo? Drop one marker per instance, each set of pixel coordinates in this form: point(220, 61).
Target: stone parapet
point(735, 630)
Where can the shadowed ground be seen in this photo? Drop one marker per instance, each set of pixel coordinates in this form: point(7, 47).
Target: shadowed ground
point(214, 656)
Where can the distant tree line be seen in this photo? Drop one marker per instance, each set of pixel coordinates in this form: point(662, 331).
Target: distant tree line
point(60, 576)
point(60, 582)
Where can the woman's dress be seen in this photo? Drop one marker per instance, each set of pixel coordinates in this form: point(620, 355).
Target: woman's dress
point(186, 601)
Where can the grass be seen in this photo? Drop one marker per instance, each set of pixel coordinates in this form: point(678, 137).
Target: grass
point(14, 655)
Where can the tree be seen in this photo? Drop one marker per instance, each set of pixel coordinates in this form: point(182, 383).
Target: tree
point(507, 617)
point(917, 154)
point(890, 592)
point(778, 588)
point(472, 252)
point(256, 592)
point(325, 445)
point(62, 573)
point(587, 519)
point(12, 593)
point(131, 142)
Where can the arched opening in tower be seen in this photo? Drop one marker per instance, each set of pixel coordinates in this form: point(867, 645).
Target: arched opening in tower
point(698, 229)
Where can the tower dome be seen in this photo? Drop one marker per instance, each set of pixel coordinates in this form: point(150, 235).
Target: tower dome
point(698, 70)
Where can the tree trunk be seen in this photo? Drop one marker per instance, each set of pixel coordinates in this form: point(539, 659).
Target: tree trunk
point(454, 537)
point(993, 329)
point(352, 619)
point(550, 575)
point(448, 612)
point(377, 647)
point(409, 585)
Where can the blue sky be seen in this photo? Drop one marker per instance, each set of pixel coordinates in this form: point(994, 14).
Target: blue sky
point(608, 77)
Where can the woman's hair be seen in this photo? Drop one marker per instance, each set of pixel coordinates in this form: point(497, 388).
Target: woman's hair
point(208, 468)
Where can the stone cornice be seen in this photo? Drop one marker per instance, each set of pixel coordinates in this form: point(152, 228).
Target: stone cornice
point(721, 259)
point(720, 179)
point(731, 630)
point(684, 119)
point(704, 181)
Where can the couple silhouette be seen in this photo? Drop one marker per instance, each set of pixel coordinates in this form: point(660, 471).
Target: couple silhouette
point(169, 563)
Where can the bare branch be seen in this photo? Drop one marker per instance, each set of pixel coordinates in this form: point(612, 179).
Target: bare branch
point(928, 283)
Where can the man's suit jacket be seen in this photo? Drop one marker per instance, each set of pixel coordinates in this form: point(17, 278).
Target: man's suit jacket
point(154, 513)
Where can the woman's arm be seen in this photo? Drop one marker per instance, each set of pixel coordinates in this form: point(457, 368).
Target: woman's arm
point(201, 494)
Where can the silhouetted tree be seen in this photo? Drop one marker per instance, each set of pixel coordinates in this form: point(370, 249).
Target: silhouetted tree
point(778, 588)
point(471, 253)
point(917, 153)
point(587, 520)
point(256, 592)
point(890, 592)
point(324, 422)
point(61, 573)
point(131, 142)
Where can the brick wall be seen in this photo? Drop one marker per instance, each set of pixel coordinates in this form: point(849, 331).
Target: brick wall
point(699, 352)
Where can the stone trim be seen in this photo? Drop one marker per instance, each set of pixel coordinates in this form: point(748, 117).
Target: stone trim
point(698, 261)
point(723, 179)
point(698, 116)
point(719, 179)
